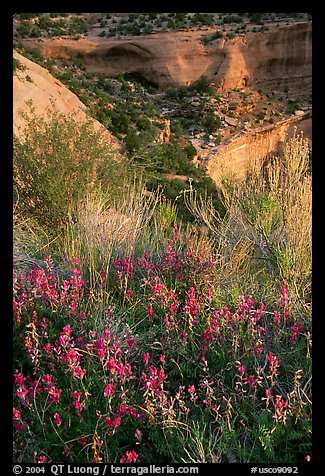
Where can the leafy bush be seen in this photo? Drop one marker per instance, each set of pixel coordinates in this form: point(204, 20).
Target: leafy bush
point(55, 163)
point(202, 85)
point(28, 16)
point(212, 122)
point(17, 65)
point(232, 19)
point(144, 124)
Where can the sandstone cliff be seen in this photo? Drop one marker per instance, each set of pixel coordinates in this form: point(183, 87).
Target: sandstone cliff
point(235, 158)
point(36, 84)
point(279, 58)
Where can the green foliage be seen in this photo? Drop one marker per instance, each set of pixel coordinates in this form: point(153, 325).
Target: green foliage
point(55, 165)
point(143, 124)
point(292, 106)
point(212, 122)
point(171, 93)
point(216, 36)
point(17, 65)
point(203, 85)
point(28, 16)
point(202, 18)
point(44, 23)
point(255, 17)
point(232, 19)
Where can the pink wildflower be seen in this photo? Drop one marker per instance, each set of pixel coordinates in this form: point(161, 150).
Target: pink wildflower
point(57, 419)
point(146, 358)
point(129, 457)
point(113, 423)
point(295, 331)
point(47, 347)
point(191, 389)
point(16, 414)
point(138, 434)
point(83, 440)
point(54, 394)
point(109, 390)
point(258, 349)
point(251, 381)
point(78, 372)
point(241, 369)
point(19, 378)
point(130, 341)
point(149, 311)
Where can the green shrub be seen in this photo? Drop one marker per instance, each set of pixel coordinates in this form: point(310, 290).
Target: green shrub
point(202, 85)
point(27, 16)
point(212, 122)
point(17, 65)
point(55, 164)
point(143, 124)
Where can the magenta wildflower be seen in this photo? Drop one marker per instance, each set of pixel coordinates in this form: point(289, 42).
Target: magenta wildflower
point(241, 369)
point(122, 409)
point(78, 405)
point(16, 414)
point(191, 389)
point(83, 440)
point(109, 390)
point(258, 349)
point(47, 347)
point(78, 372)
point(129, 457)
point(251, 380)
point(130, 341)
point(146, 358)
point(19, 378)
point(113, 423)
point(149, 311)
point(57, 419)
point(54, 394)
point(21, 393)
point(295, 331)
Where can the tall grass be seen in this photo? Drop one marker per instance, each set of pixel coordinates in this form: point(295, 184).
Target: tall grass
point(104, 228)
point(266, 232)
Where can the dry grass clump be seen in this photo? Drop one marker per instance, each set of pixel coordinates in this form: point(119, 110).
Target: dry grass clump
point(105, 228)
point(268, 224)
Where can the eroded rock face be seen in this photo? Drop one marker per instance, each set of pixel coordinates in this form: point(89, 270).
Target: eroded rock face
point(278, 58)
point(282, 58)
point(235, 158)
point(35, 84)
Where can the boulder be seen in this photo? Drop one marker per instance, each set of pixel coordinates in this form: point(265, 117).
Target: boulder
point(231, 121)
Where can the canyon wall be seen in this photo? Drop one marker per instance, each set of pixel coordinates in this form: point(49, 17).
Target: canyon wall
point(35, 84)
point(276, 59)
point(234, 159)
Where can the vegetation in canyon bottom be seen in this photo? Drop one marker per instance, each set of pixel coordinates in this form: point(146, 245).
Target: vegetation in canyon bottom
point(139, 338)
